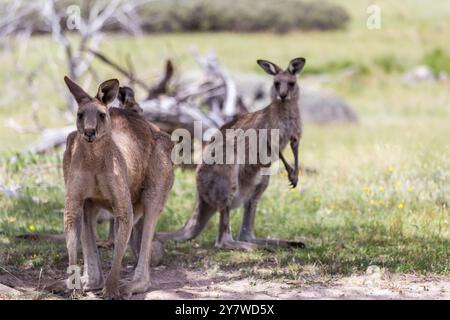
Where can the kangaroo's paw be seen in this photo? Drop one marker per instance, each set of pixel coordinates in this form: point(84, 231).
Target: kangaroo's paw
point(92, 283)
point(135, 286)
point(105, 243)
point(111, 291)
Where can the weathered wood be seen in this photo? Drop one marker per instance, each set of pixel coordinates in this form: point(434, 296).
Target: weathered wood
point(50, 139)
point(119, 68)
point(8, 290)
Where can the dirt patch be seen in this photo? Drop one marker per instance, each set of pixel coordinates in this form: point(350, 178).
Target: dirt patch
point(178, 283)
point(221, 285)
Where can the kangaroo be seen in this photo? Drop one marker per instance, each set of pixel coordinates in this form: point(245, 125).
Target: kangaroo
point(115, 161)
point(222, 187)
point(127, 100)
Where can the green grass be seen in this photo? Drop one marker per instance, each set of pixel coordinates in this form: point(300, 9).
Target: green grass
point(382, 191)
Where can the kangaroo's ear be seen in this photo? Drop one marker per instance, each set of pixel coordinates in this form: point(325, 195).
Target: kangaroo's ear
point(296, 65)
point(108, 91)
point(269, 67)
point(78, 93)
point(126, 95)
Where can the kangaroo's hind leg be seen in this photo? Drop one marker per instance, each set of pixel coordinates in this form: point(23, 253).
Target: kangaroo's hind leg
point(225, 239)
point(157, 187)
point(157, 251)
point(123, 212)
point(202, 214)
point(153, 206)
point(246, 233)
point(92, 278)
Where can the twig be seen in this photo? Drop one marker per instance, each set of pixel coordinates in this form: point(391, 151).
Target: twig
point(39, 280)
point(126, 73)
point(4, 269)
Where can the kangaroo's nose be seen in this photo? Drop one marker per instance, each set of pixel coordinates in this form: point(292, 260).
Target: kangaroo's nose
point(283, 96)
point(89, 132)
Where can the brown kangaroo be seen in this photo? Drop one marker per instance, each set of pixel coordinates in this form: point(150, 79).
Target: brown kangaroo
point(224, 187)
point(127, 100)
point(116, 161)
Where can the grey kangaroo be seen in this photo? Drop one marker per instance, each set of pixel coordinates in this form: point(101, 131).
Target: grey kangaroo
point(222, 187)
point(118, 161)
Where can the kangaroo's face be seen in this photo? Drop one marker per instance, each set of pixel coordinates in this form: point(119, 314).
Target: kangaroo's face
point(93, 119)
point(285, 85)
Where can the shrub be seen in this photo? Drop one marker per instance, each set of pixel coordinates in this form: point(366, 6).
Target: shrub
point(221, 15)
point(389, 64)
point(438, 60)
point(243, 15)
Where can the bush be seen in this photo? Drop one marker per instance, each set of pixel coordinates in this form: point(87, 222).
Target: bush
point(221, 15)
point(243, 15)
point(438, 60)
point(389, 64)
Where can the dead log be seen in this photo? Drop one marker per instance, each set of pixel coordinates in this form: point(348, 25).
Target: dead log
point(50, 139)
point(162, 86)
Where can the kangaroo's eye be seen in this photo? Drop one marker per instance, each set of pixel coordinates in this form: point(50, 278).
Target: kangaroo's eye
point(102, 116)
point(277, 84)
point(291, 84)
point(79, 116)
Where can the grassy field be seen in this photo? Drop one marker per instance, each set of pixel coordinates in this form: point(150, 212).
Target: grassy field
point(382, 191)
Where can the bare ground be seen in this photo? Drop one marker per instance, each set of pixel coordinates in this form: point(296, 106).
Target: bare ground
point(178, 283)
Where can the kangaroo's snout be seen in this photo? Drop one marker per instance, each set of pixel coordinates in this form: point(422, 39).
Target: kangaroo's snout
point(89, 134)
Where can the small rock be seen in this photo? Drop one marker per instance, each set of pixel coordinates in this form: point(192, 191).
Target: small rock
point(9, 191)
point(443, 76)
point(418, 75)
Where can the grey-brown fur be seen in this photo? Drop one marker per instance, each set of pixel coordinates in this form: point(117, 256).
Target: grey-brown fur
point(222, 187)
point(118, 161)
point(127, 100)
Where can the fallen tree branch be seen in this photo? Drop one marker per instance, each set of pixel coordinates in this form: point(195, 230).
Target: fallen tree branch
point(122, 70)
point(211, 66)
point(50, 139)
point(161, 87)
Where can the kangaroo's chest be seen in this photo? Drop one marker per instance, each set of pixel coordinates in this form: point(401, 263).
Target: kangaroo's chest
point(288, 125)
point(116, 174)
point(98, 186)
point(134, 161)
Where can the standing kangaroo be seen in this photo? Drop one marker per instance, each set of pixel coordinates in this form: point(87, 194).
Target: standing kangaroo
point(222, 187)
point(116, 161)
